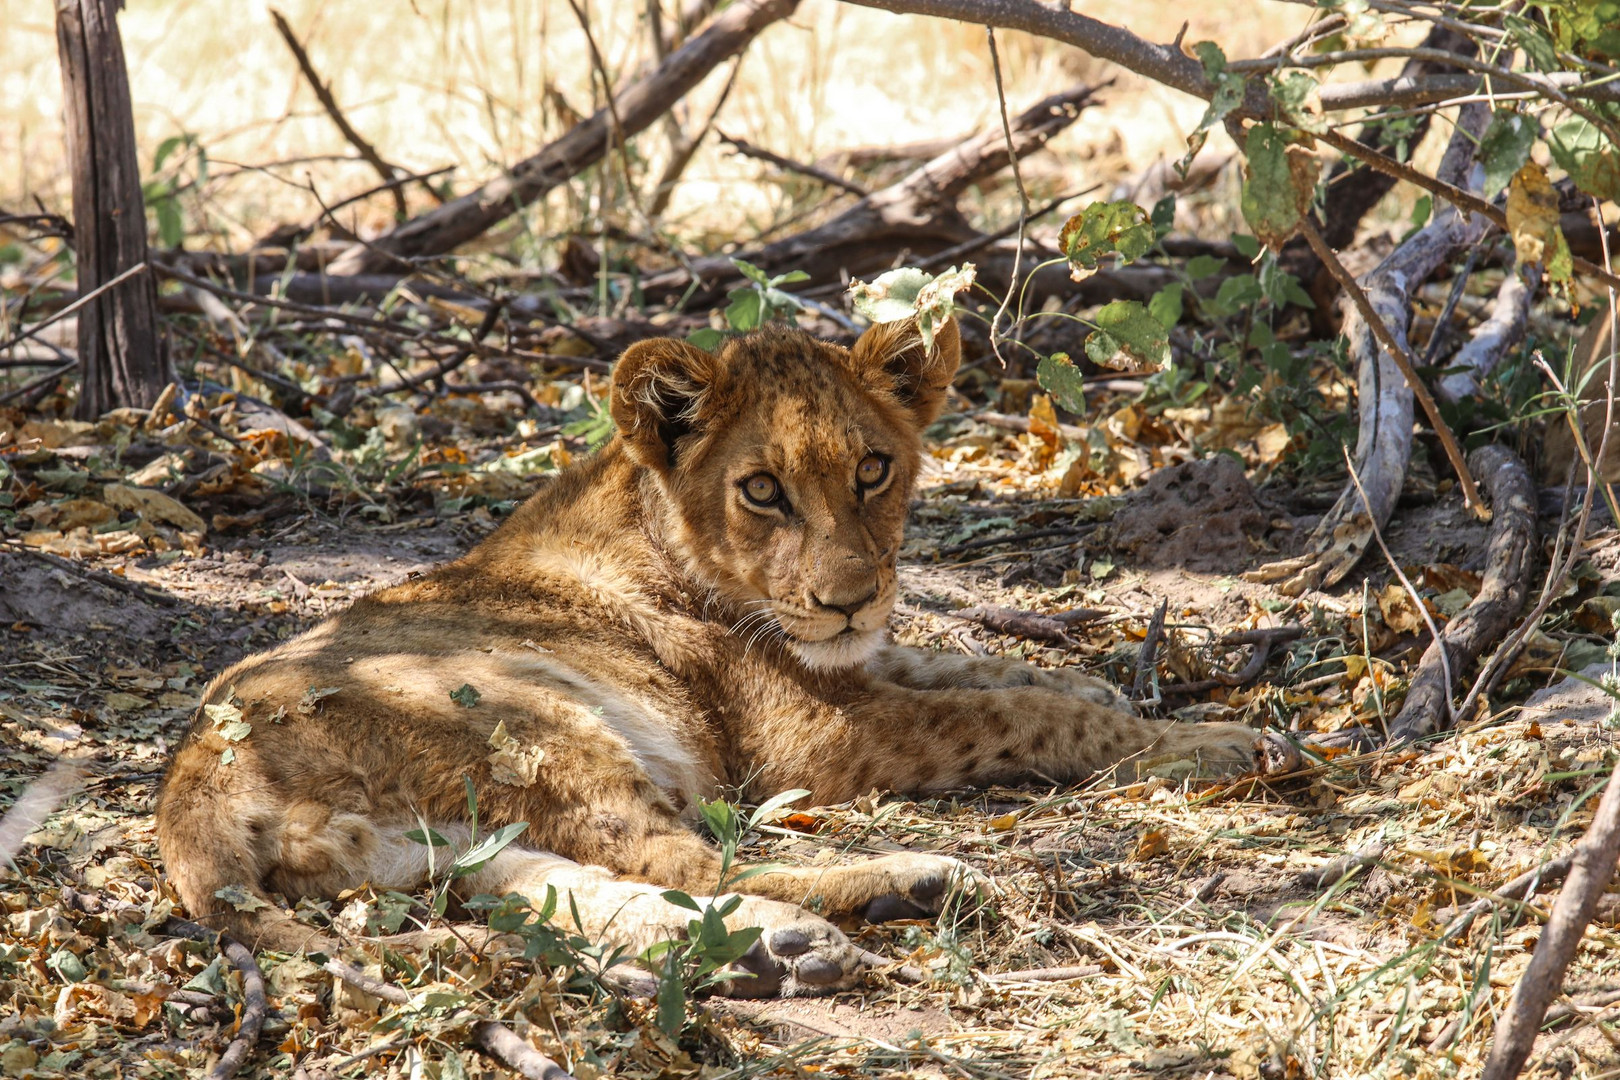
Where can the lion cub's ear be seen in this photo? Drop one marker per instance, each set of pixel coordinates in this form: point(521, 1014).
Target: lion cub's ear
point(891, 356)
point(657, 396)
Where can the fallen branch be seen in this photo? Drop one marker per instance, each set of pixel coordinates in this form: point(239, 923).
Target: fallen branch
point(1378, 319)
point(1009, 538)
point(1509, 557)
point(1047, 974)
point(1263, 640)
point(1492, 339)
point(449, 226)
point(1590, 871)
point(1147, 655)
point(917, 212)
point(1398, 352)
point(255, 1001)
point(1025, 624)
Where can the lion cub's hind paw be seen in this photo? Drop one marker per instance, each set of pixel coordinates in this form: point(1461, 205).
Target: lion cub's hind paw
point(919, 886)
point(1201, 751)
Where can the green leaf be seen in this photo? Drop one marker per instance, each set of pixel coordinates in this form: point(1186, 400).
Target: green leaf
point(1235, 293)
point(1279, 185)
point(681, 900)
point(1200, 267)
point(1164, 216)
point(1537, 45)
point(721, 818)
point(909, 293)
point(707, 339)
point(167, 147)
point(747, 309)
point(1228, 95)
point(1248, 245)
point(792, 277)
point(1294, 93)
point(1125, 326)
point(465, 696)
point(751, 272)
point(1165, 305)
point(1102, 229)
point(670, 999)
point(428, 838)
point(171, 229)
point(486, 849)
point(1592, 162)
point(1504, 148)
point(1422, 210)
point(1057, 375)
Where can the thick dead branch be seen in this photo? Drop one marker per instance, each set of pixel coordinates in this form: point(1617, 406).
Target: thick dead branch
point(917, 212)
point(1543, 979)
point(1509, 556)
point(1384, 437)
point(323, 93)
point(453, 224)
point(1492, 339)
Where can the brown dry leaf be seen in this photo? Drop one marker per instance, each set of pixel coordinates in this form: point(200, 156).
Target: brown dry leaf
point(1043, 422)
point(1400, 613)
point(1003, 823)
point(513, 762)
point(1152, 844)
point(1532, 213)
point(151, 504)
point(70, 514)
point(1272, 442)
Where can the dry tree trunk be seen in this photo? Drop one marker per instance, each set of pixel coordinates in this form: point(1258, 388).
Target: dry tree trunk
point(917, 212)
point(1384, 436)
point(121, 356)
point(449, 226)
point(1508, 558)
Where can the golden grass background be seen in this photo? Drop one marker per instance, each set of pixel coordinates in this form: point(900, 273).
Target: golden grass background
point(466, 83)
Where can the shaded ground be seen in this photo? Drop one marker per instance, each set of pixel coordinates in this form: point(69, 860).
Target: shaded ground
point(1201, 948)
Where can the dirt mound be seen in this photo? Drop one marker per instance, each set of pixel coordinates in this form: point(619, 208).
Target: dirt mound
point(1202, 515)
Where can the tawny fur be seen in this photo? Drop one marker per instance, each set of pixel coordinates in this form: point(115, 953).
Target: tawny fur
point(650, 637)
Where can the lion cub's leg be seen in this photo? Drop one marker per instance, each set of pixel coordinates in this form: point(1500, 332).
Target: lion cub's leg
point(797, 954)
point(931, 669)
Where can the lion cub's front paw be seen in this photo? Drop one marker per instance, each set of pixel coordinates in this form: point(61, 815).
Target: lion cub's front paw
point(1201, 750)
point(797, 955)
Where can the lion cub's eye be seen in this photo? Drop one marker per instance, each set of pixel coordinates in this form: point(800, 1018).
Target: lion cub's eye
point(872, 471)
point(762, 489)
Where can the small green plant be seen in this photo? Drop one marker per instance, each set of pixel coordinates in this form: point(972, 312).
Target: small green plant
point(162, 190)
point(698, 962)
point(761, 301)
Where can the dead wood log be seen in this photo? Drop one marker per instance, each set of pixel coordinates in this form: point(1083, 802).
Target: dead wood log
point(121, 355)
point(1509, 556)
point(1492, 339)
point(1384, 436)
point(1590, 871)
point(449, 226)
point(917, 212)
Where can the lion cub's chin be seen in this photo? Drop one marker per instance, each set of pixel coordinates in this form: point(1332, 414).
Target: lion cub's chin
point(850, 650)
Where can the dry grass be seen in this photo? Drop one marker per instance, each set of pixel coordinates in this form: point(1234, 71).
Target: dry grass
point(433, 84)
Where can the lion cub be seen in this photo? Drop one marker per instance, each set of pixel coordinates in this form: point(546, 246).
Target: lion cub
point(700, 605)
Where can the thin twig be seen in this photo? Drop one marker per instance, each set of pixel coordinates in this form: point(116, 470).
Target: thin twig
point(1023, 198)
point(323, 93)
point(71, 308)
point(100, 577)
point(748, 149)
point(1402, 359)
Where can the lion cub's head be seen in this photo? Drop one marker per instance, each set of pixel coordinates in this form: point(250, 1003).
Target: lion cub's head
point(786, 465)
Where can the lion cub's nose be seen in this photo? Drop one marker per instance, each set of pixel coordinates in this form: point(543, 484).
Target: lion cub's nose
point(846, 608)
